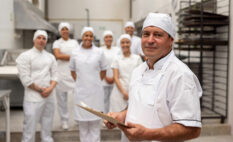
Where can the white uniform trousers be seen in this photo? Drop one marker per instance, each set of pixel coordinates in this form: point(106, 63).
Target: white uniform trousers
point(89, 131)
point(107, 93)
point(62, 99)
point(35, 112)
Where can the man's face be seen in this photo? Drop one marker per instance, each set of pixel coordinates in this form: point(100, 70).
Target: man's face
point(129, 30)
point(156, 43)
point(108, 40)
point(40, 42)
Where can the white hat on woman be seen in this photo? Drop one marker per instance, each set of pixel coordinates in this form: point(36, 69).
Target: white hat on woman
point(127, 36)
point(86, 29)
point(64, 24)
point(107, 32)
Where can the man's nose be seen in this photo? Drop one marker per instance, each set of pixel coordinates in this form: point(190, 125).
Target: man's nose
point(151, 38)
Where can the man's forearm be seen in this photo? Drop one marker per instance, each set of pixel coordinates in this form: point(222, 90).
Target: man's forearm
point(34, 87)
point(173, 133)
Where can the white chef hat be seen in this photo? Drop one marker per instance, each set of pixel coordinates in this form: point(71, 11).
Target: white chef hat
point(129, 24)
point(107, 32)
point(127, 36)
point(162, 21)
point(40, 32)
point(64, 24)
point(86, 29)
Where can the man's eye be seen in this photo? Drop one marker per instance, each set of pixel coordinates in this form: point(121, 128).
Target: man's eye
point(145, 34)
point(158, 35)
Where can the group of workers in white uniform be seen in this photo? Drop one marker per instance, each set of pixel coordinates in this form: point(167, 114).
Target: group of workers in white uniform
point(158, 96)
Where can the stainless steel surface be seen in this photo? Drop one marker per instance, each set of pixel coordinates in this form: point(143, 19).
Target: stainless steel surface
point(9, 77)
point(10, 56)
point(4, 96)
point(28, 17)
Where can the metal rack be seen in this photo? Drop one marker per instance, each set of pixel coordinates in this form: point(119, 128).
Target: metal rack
point(203, 44)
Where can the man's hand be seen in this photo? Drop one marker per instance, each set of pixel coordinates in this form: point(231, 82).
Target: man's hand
point(172, 133)
point(120, 116)
point(135, 132)
point(46, 92)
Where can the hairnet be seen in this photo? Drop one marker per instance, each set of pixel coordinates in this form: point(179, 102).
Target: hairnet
point(162, 21)
point(40, 32)
point(127, 36)
point(64, 24)
point(108, 32)
point(86, 29)
point(129, 24)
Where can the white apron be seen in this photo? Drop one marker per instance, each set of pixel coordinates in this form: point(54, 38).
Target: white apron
point(142, 108)
point(65, 80)
point(88, 88)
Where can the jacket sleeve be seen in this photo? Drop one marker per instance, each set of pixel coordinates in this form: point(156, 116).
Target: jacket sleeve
point(24, 68)
point(53, 69)
point(184, 100)
point(72, 62)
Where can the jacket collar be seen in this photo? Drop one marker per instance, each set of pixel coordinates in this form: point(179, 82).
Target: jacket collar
point(159, 64)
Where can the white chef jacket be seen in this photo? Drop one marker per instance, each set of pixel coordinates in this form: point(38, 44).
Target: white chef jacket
point(168, 94)
point(65, 80)
point(110, 54)
point(88, 63)
point(37, 67)
point(135, 47)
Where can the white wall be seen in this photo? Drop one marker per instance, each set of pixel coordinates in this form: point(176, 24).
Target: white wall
point(6, 24)
point(140, 8)
point(104, 14)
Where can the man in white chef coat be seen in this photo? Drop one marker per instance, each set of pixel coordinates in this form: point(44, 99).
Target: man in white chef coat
point(164, 93)
point(38, 74)
point(135, 40)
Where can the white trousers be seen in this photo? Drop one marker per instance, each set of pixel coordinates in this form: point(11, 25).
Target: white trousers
point(107, 93)
point(38, 112)
point(89, 131)
point(62, 99)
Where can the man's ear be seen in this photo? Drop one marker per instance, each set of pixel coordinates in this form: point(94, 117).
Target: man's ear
point(171, 41)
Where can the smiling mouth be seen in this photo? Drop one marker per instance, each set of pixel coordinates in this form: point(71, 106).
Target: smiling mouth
point(88, 41)
point(151, 47)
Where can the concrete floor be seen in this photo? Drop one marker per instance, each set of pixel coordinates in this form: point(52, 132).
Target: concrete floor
point(17, 118)
point(223, 138)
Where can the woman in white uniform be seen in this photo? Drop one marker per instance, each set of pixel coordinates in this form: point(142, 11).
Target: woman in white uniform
point(110, 53)
point(123, 66)
point(88, 67)
point(63, 48)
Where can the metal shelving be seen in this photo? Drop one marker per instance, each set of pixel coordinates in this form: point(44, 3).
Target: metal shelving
point(203, 45)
